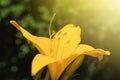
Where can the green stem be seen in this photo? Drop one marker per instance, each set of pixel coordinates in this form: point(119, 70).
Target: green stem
point(47, 75)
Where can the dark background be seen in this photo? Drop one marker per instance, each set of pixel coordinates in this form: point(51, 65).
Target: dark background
point(98, 19)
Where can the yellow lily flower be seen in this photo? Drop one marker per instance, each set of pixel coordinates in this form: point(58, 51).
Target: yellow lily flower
point(60, 50)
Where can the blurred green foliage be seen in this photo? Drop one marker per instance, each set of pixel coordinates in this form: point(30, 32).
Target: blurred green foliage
point(99, 21)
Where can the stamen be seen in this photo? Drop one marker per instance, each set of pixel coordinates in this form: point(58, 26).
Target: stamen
point(53, 32)
point(51, 24)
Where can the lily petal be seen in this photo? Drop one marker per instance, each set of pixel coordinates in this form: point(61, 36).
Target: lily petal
point(66, 40)
point(72, 67)
point(97, 53)
point(59, 66)
point(89, 50)
point(41, 43)
point(39, 62)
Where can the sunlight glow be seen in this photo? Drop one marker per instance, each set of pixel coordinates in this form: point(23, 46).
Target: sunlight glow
point(114, 5)
point(100, 13)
